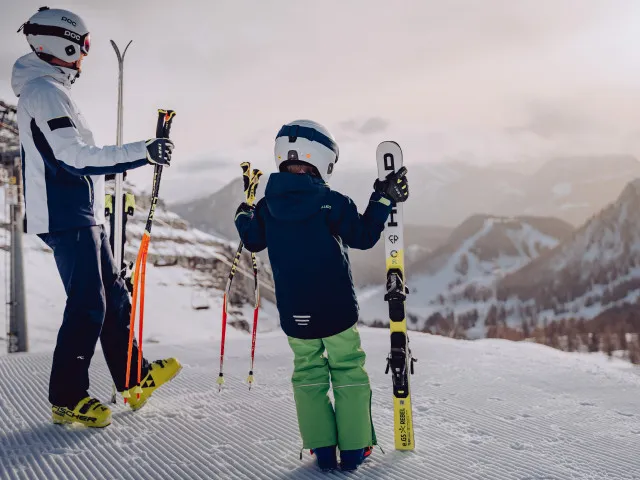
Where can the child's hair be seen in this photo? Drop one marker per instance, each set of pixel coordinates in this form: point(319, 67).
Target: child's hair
point(301, 168)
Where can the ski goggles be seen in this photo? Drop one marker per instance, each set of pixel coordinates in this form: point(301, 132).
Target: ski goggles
point(311, 134)
point(83, 41)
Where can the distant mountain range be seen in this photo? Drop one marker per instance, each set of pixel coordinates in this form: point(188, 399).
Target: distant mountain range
point(214, 214)
point(522, 272)
point(446, 195)
point(570, 188)
point(573, 189)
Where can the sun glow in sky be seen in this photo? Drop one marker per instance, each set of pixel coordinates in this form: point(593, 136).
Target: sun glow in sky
point(486, 81)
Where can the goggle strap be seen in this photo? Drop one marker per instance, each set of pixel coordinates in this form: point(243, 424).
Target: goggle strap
point(308, 133)
point(35, 29)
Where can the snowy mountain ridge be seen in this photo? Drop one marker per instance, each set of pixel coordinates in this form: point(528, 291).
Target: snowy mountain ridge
point(598, 268)
point(459, 278)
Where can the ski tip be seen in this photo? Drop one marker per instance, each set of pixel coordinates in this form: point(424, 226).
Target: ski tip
point(388, 147)
point(389, 143)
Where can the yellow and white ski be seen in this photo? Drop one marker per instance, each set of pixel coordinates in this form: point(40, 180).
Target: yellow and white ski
point(399, 361)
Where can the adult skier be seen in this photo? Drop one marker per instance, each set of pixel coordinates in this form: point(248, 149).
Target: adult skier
point(63, 174)
point(307, 228)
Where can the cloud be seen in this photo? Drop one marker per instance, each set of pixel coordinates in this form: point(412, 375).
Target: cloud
point(547, 120)
point(454, 74)
point(205, 164)
point(368, 127)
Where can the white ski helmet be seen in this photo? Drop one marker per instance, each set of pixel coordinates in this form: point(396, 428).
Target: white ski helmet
point(57, 33)
point(305, 141)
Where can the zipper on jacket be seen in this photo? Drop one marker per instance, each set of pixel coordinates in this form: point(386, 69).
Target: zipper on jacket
point(89, 184)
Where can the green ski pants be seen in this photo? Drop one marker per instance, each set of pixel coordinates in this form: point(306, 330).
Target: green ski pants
point(336, 361)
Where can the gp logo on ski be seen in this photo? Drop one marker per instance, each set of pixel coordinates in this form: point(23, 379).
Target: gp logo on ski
point(66, 211)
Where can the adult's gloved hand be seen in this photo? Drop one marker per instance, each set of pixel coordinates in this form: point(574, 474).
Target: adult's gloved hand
point(395, 186)
point(159, 151)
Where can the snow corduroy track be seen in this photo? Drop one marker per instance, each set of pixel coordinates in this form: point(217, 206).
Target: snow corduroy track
point(483, 410)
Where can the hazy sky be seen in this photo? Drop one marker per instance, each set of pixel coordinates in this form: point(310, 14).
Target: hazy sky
point(477, 80)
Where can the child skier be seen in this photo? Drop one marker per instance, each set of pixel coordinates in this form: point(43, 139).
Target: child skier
point(307, 228)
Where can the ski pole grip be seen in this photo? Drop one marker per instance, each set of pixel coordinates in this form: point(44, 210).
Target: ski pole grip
point(160, 124)
point(246, 180)
point(165, 118)
point(168, 121)
point(255, 180)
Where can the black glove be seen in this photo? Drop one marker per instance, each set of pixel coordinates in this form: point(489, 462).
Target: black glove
point(395, 187)
point(245, 208)
point(159, 151)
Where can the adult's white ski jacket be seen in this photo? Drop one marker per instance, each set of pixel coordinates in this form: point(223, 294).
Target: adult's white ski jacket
point(63, 171)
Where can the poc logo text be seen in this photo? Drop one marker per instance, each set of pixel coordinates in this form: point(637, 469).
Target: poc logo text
point(75, 36)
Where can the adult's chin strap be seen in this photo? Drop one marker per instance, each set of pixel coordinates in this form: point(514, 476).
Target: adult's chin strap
point(49, 59)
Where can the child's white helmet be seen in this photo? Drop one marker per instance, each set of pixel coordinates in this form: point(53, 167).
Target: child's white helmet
point(305, 141)
point(62, 34)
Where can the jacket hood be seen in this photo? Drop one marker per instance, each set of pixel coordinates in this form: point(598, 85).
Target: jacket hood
point(292, 197)
point(30, 67)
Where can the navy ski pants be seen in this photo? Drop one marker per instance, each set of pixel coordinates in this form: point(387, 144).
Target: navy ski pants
point(98, 306)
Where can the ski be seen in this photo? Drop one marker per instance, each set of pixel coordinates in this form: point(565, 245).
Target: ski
point(399, 361)
point(115, 202)
point(118, 194)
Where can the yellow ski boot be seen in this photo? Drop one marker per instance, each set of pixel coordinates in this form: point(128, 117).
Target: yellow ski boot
point(160, 372)
point(88, 411)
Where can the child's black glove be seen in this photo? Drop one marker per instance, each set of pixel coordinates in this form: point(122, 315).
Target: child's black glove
point(396, 186)
point(245, 208)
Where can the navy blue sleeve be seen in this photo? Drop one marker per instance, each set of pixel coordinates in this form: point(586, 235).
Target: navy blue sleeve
point(355, 230)
point(251, 229)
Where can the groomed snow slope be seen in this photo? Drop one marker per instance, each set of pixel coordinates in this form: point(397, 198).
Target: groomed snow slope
point(487, 409)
